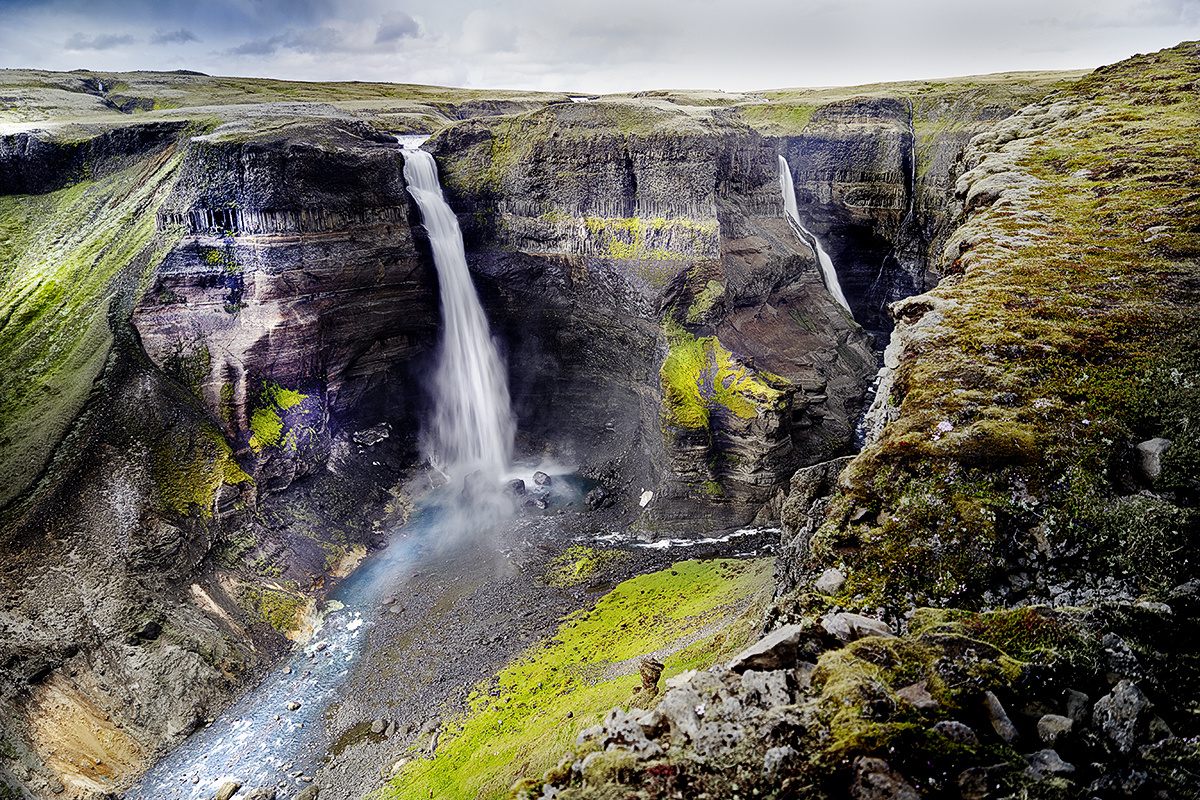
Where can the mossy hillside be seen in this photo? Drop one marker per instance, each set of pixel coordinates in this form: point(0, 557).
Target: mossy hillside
point(1066, 339)
point(854, 707)
point(517, 723)
point(699, 375)
point(62, 252)
point(789, 111)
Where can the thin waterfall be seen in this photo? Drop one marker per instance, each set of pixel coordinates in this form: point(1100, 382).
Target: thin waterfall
point(828, 273)
point(473, 421)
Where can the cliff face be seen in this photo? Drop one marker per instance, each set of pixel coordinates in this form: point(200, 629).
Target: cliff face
point(254, 304)
point(689, 321)
point(1030, 439)
point(201, 308)
point(296, 300)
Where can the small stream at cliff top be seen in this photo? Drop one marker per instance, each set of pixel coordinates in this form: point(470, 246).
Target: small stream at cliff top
point(275, 736)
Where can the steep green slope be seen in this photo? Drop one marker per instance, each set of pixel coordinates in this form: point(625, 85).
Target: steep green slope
point(63, 259)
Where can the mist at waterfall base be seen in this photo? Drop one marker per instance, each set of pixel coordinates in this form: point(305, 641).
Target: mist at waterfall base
point(828, 273)
point(469, 435)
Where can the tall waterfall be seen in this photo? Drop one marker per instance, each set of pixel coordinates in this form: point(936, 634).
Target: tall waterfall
point(473, 422)
point(828, 273)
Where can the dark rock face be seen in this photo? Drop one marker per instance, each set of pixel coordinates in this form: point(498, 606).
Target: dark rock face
point(299, 271)
point(610, 256)
point(33, 163)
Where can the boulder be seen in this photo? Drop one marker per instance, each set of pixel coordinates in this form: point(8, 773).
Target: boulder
point(227, 790)
point(767, 689)
point(831, 581)
point(778, 757)
point(623, 730)
point(917, 696)
point(957, 732)
point(1149, 455)
point(874, 779)
point(1078, 705)
point(999, 718)
point(373, 435)
point(776, 650)
point(598, 498)
point(982, 783)
point(1122, 715)
point(541, 478)
point(1048, 764)
point(1052, 726)
point(847, 627)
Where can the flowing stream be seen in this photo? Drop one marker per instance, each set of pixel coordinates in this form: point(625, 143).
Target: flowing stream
point(275, 734)
point(828, 273)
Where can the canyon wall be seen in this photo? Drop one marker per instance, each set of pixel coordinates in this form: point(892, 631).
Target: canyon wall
point(216, 330)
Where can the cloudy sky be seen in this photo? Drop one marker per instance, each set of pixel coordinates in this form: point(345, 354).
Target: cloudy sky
point(608, 46)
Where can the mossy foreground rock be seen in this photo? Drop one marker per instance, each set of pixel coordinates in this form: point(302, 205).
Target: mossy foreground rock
point(1028, 702)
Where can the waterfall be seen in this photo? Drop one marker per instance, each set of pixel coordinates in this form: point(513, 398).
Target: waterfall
point(473, 422)
point(828, 273)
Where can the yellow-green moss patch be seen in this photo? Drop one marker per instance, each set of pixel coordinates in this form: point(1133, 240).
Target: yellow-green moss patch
point(517, 725)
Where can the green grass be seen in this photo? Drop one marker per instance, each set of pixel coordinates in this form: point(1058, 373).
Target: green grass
point(517, 724)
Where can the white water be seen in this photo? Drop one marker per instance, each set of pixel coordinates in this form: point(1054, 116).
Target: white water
point(473, 422)
point(828, 273)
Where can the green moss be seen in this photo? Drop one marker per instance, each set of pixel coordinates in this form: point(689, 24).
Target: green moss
point(189, 467)
point(1029, 633)
point(517, 724)
point(267, 428)
point(267, 422)
point(578, 563)
point(713, 292)
point(61, 253)
point(699, 375)
point(279, 609)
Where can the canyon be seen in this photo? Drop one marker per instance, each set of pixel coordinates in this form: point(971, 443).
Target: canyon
point(219, 319)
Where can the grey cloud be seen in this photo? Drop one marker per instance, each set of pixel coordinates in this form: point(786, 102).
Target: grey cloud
point(181, 36)
point(254, 47)
point(312, 40)
point(396, 26)
point(105, 41)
